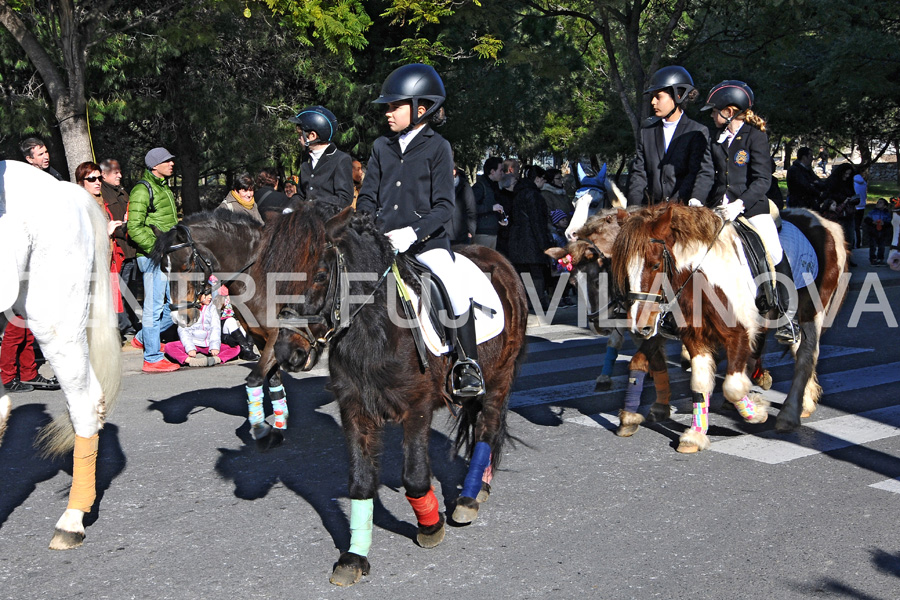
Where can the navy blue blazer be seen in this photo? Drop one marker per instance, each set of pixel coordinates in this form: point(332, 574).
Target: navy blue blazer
point(332, 179)
point(411, 189)
point(682, 172)
point(743, 170)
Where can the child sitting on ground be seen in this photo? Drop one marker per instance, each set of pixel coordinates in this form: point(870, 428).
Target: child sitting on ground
point(204, 338)
point(232, 332)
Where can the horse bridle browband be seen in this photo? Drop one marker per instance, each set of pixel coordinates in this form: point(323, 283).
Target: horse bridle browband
point(290, 319)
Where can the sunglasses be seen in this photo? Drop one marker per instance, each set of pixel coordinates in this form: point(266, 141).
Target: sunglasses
point(93, 178)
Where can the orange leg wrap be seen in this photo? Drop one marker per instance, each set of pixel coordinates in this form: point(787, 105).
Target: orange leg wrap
point(661, 382)
point(84, 473)
point(426, 508)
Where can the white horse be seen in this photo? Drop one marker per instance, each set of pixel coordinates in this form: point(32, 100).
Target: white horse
point(54, 272)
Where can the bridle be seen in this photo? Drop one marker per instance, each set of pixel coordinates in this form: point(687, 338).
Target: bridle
point(615, 299)
point(334, 317)
point(666, 306)
point(197, 260)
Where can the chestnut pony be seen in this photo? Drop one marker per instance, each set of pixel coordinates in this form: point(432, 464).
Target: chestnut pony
point(590, 254)
point(678, 259)
point(346, 301)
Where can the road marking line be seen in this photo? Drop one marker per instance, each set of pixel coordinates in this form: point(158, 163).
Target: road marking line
point(888, 485)
point(815, 437)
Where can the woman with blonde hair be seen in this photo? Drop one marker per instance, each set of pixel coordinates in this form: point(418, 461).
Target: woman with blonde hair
point(743, 174)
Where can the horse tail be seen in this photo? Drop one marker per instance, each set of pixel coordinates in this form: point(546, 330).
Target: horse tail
point(104, 344)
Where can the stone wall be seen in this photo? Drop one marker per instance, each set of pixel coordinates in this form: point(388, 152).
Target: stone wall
point(883, 172)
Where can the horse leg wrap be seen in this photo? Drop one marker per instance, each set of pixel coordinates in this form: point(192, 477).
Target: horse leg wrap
point(481, 461)
point(255, 405)
point(633, 390)
point(279, 406)
point(610, 360)
point(661, 381)
point(84, 473)
point(426, 508)
point(746, 408)
point(361, 512)
point(700, 419)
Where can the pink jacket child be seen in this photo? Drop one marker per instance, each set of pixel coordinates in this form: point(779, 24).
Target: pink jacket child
point(203, 337)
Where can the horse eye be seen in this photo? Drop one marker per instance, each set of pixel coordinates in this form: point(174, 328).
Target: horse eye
point(321, 277)
point(656, 267)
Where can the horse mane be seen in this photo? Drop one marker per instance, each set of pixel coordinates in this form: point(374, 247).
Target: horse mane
point(220, 219)
point(685, 226)
point(292, 242)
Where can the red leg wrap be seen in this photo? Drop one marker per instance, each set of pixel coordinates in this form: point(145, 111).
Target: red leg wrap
point(426, 508)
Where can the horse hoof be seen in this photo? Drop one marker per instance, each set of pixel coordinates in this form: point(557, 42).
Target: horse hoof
point(629, 423)
point(692, 441)
point(273, 440)
point(786, 424)
point(805, 414)
point(466, 510)
point(484, 494)
point(66, 540)
point(349, 569)
point(659, 412)
point(431, 536)
point(764, 380)
point(604, 382)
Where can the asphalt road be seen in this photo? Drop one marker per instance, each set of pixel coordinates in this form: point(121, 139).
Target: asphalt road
point(188, 509)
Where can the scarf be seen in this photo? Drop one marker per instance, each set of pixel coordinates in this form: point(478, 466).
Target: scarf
point(247, 205)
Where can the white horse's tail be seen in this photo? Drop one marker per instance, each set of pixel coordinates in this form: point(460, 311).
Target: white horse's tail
point(104, 343)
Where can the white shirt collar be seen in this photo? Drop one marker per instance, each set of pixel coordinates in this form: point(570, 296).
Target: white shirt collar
point(669, 131)
point(315, 155)
point(407, 137)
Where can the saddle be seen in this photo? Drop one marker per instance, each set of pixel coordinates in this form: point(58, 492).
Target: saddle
point(760, 263)
point(428, 301)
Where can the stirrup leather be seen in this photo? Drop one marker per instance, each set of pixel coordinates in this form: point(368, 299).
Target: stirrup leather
point(470, 390)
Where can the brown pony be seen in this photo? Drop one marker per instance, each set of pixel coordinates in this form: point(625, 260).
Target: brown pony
point(226, 244)
point(344, 301)
point(685, 261)
point(590, 254)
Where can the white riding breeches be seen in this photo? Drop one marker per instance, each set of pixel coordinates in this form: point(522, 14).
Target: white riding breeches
point(765, 226)
point(442, 264)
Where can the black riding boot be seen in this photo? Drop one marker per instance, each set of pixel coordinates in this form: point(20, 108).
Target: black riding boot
point(788, 333)
point(245, 344)
point(467, 380)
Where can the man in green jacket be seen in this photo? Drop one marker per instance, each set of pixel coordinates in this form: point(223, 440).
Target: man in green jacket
point(153, 203)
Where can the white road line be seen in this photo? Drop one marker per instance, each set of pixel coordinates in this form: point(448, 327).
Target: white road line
point(888, 485)
point(815, 437)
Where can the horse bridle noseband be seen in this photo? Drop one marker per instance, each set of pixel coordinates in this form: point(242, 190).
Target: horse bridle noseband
point(615, 299)
point(290, 319)
point(196, 259)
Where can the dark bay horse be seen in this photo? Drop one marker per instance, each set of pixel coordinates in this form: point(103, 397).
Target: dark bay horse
point(590, 254)
point(226, 244)
point(376, 373)
point(677, 258)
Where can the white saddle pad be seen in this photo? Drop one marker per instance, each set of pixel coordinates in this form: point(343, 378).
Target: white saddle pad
point(800, 254)
point(489, 320)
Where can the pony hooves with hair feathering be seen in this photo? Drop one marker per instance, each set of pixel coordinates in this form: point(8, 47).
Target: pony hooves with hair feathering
point(692, 441)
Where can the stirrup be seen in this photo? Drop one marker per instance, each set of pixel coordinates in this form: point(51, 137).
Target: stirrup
point(469, 389)
point(788, 334)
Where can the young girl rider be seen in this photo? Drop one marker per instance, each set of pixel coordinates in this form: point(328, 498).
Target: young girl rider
point(740, 153)
point(409, 190)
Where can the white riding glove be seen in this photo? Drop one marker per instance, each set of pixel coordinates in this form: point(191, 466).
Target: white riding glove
point(694, 202)
point(402, 239)
point(732, 210)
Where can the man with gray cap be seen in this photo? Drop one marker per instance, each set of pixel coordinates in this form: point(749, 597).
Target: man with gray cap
point(152, 203)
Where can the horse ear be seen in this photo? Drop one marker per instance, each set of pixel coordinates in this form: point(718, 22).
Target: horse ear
point(664, 223)
point(621, 214)
point(338, 222)
point(555, 253)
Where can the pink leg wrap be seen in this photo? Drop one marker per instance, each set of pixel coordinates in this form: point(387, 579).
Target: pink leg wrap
point(746, 408)
point(700, 420)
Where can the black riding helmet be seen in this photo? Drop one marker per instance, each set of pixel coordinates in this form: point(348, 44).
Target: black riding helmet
point(674, 77)
point(730, 92)
point(413, 82)
point(318, 119)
